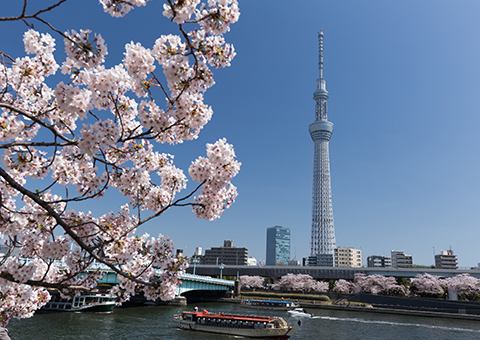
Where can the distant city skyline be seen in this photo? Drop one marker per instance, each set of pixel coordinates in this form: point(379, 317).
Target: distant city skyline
point(403, 85)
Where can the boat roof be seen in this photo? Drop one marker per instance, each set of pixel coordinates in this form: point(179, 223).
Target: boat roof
point(254, 318)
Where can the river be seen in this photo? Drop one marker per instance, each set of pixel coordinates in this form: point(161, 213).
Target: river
point(155, 322)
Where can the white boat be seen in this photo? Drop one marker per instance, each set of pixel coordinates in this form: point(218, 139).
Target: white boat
point(249, 326)
point(100, 303)
point(299, 312)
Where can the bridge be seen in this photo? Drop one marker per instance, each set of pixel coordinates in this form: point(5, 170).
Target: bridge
point(190, 282)
point(326, 273)
point(197, 282)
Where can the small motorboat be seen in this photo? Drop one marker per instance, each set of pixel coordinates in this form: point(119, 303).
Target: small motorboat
point(301, 312)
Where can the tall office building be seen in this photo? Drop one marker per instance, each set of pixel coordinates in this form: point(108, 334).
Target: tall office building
point(278, 246)
point(322, 244)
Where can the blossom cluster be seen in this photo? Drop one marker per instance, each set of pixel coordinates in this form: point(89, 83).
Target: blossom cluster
point(424, 285)
point(378, 285)
point(118, 8)
point(20, 300)
point(252, 281)
point(215, 171)
point(300, 282)
point(67, 141)
point(468, 287)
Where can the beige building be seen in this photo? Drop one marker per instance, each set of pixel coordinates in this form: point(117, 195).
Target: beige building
point(348, 257)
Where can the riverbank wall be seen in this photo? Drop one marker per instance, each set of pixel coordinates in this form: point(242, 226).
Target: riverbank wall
point(366, 303)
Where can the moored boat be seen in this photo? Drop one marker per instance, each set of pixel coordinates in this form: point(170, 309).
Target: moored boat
point(270, 304)
point(249, 326)
point(98, 303)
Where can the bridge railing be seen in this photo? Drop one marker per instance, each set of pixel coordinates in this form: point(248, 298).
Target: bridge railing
point(207, 279)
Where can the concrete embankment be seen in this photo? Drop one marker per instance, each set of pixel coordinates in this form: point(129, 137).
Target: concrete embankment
point(405, 309)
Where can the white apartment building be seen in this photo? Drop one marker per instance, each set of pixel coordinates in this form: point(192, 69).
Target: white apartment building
point(348, 257)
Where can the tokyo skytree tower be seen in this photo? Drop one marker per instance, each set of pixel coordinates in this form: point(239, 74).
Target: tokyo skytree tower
point(323, 233)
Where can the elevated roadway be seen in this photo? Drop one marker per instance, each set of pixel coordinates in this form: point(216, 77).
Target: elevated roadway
point(324, 273)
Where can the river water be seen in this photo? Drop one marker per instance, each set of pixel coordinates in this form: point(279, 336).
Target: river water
point(155, 322)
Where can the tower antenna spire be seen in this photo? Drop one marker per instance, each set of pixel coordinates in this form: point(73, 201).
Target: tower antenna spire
point(320, 52)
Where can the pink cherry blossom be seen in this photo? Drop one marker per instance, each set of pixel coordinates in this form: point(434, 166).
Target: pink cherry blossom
point(252, 281)
point(300, 282)
point(95, 130)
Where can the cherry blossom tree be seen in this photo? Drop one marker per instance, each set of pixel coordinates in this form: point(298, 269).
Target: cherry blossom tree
point(300, 282)
point(343, 286)
point(427, 285)
point(98, 130)
point(252, 281)
point(378, 285)
point(466, 286)
point(321, 286)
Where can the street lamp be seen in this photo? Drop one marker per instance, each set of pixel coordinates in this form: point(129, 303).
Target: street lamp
point(221, 269)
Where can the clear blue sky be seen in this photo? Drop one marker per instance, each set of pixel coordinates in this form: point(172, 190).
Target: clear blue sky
point(403, 78)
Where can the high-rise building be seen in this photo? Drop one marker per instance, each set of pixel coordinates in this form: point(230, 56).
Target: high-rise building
point(278, 246)
point(401, 260)
point(322, 244)
point(446, 260)
point(348, 257)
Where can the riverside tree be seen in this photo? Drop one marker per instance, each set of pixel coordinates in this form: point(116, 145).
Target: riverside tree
point(378, 285)
point(101, 129)
point(466, 286)
point(343, 286)
point(427, 285)
point(300, 282)
point(254, 281)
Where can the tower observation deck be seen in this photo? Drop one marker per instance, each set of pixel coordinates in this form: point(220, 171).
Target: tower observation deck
point(322, 244)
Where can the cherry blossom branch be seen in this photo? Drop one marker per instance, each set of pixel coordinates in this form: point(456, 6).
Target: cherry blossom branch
point(66, 227)
point(24, 16)
point(38, 121)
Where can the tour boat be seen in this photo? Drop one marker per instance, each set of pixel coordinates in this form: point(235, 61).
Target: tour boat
point(249, 326)
point(270, 304)
point(299, 312)
point(100, 303)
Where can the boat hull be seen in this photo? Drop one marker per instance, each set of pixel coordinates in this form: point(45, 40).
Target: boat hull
point(299, 312)
point(301, 315)
point(107, 308)
point(269, 304)
point(92, 303)
point(275, 333)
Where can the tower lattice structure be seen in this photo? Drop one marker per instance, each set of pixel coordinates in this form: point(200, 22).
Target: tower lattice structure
point(323, 232)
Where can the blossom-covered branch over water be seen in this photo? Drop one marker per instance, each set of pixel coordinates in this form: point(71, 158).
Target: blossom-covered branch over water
point(100, 129)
